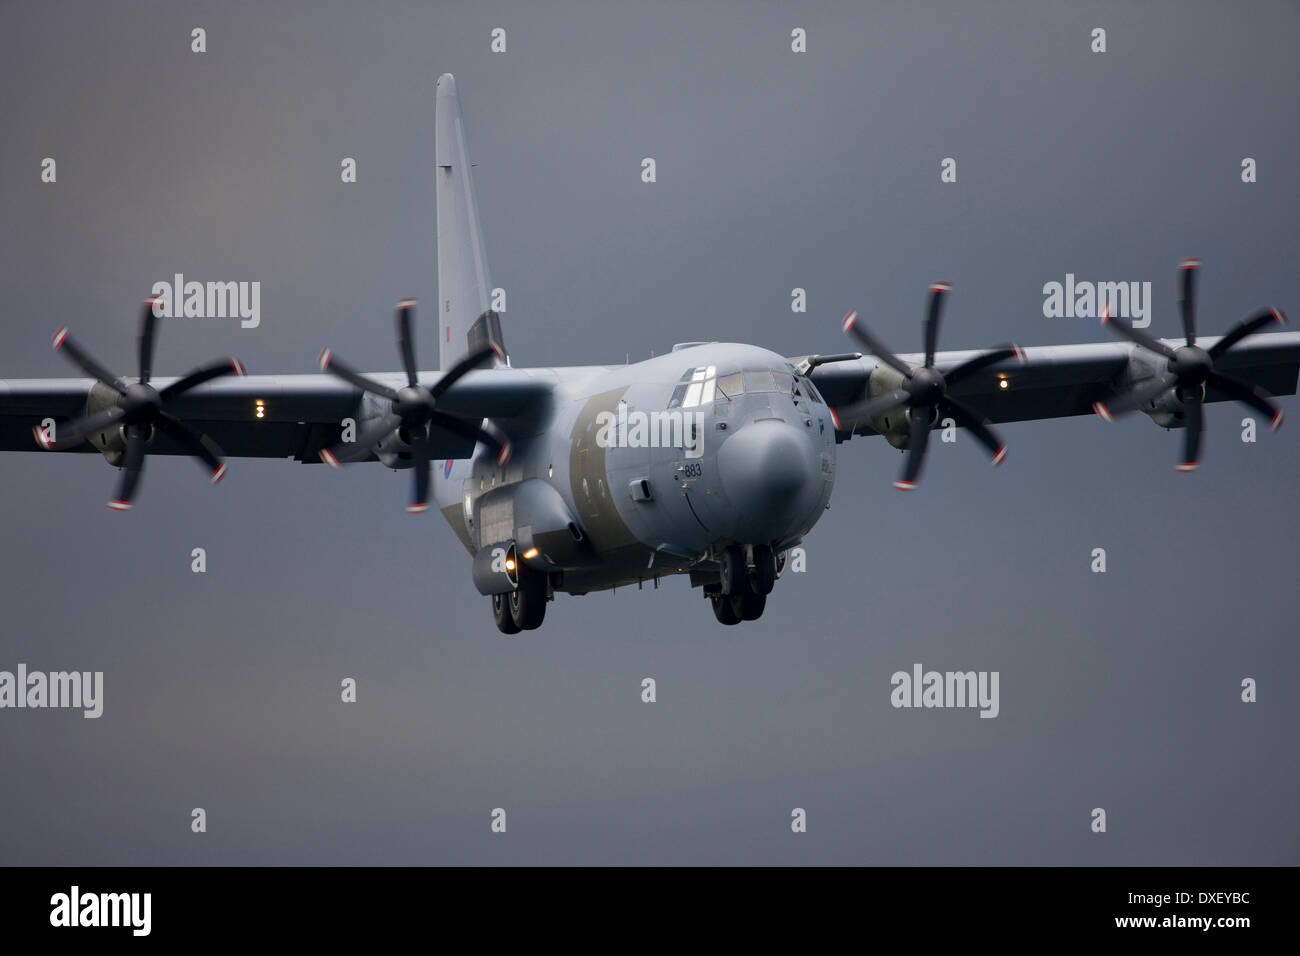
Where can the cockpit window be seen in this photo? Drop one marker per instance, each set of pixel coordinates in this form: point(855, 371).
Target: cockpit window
point(731, 386)
point(760, 381)
point(808, 388)
point(695, 388)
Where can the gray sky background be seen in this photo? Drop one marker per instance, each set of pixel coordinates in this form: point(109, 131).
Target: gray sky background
point(775, 170)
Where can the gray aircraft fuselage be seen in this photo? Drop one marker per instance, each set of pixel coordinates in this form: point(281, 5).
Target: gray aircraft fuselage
point(658, 462)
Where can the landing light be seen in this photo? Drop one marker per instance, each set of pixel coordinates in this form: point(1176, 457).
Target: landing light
point(1004, 383)
point(530, 554)
point(510, 564)
point(259, 410)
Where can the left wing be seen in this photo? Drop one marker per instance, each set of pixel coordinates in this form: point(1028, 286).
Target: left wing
point(1054, 381)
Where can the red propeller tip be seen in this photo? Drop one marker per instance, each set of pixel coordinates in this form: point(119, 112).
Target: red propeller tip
point(1187, 466)
point(42, 439)
point(1279, 316)
point(1102, 412)
point(1277, 420)
point(1001, 456)
point(323, 360)
point(1190, 264)
point(1020, 355)
point(941, 287)
point(849, 320)
point(416, 509)
point(406, 304)
point(59, 337)
point(499, 351)
point(905, 485)
point(327, 456)
point(238, 366)
point(503, 456)
point(120, 505)
point(1105, 315)
point(834, 418)
point(219, 473)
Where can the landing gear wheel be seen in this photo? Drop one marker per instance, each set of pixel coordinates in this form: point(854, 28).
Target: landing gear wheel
point(748, 606)
point(723, 610)
point(764, 574)
point(731, 570)
point(528, 601)
point(505, 621)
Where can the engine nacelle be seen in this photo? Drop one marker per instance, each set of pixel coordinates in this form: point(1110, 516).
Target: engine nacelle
point(1166, 409)
point(893, 424)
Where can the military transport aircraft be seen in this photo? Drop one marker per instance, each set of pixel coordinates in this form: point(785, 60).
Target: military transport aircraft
point(712, 460)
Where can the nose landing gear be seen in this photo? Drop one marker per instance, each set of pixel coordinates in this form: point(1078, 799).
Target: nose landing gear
point(742, 590)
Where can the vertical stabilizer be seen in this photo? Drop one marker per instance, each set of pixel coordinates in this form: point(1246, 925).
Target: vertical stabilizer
point(464, 286)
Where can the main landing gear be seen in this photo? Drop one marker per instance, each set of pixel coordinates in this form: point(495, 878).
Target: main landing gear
point(524, 608)
point(742, 590)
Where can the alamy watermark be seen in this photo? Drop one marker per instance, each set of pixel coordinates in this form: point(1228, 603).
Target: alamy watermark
point(923, 688)
point(77, 690)
point(1087, 300)
point(673, 428)
point(209, 300)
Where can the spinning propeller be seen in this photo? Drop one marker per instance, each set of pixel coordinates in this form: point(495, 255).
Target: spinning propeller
point(414, 409)
point(138, 410)
point(924, 392)
point(1191, 368)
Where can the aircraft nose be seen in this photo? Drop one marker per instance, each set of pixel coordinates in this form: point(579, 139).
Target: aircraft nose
point(767, 469)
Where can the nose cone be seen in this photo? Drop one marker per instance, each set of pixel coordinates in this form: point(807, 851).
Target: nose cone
point(769, 475)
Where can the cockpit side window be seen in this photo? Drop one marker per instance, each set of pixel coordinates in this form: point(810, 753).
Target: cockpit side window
point(695, 388)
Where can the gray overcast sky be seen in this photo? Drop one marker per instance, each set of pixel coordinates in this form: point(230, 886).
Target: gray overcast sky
point(775, 170)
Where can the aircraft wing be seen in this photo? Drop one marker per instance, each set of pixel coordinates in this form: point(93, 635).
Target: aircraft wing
point(1059, 380)
point(280, 416)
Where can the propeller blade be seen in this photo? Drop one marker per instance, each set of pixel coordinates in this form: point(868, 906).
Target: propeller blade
point(1252, 395)
point(204, 373)
point(978, 427)
point(938, 293)
point(1187, 297)
point(460, 369)
point(132, 465)
point(489, 435)
point(355, 451)
point(1194, 414)
point(195, 443)
point(64, 343)
point(1139, 395)
point(328, 363)
point(1247, 327)
point(919, 420)
point(147, 339)
point(853, 327)
point(883, 403)
point(405, 339)
point(420, 472)
point(991, 357)
point(75, 432)
point(1120, 327)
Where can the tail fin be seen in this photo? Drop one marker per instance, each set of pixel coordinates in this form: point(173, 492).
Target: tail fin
point(465, 320)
